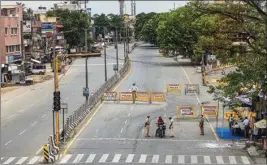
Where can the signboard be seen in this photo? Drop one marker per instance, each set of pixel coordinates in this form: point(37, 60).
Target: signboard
point(110, 96)
point(27, 27)
point(157, 96)
point(115, 68)
point(174, 88)
point(142, 96)
point(47, 25)
point(191, 88)
point(209, 110)
point(186, 110)
point(86, 92)
point(126, 96)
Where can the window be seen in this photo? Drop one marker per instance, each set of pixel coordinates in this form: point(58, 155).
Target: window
point(7, 49)
point(12, 12)
point(14, 31)
point(6, 31)
point(17, 48)
point(11, 48)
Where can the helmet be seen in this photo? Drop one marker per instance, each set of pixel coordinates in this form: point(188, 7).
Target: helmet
point(160, 117)
point(133, 84)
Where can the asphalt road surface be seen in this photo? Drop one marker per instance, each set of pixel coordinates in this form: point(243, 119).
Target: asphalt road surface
point(26, 114)
point(116, 133)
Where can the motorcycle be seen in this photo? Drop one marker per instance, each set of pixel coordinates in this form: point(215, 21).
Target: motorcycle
point(160, 132)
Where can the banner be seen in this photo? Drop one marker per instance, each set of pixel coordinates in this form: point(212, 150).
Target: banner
point(174, 88)
point(126, 96)
point(157, 96)
point(186, 111)
point(142, 96)
point(209, 110)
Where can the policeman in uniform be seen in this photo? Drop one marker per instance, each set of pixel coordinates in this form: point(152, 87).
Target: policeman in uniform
point(134, 90)
point(201, 125)
point(171, 127)
point(147, 126)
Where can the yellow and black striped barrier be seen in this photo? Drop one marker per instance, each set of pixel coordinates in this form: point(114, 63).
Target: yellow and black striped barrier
point(46, 153)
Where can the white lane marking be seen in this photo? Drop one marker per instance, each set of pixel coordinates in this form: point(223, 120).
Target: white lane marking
point(78, 158)
point(65, 158)
point(245, 160)
point(168, 159)
point(116, 158)
point(91, 158)
point(21, 160)
point(207, 160)
point(33, 123)
point(129, 114)
point(66, 99)
point(190, 83)
point(9, 160)
point(34, 159)
point(155, 159)
point(130, 158)
point(96, 132)
point(21, 110)
point(219, 160)
point(125, 122)
point(104, 158)
point(193, 159)
point(181, 159)
point(232, 160)
point(8, 142)
point(142, 158)
point(44, 116)
point(17, 96)
point(121, 130)
point(22, 132)
point(2, 158)
point(10, 116)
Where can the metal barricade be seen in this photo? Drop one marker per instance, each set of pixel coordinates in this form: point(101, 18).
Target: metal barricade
point(192, 88)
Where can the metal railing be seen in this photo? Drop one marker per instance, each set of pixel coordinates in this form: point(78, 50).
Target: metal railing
point(78, 115)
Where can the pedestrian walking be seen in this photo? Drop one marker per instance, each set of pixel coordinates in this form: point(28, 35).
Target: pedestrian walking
point(246, 124)
point(201, 125)
point(231, 121)
point(147, 126)
point(171, 127)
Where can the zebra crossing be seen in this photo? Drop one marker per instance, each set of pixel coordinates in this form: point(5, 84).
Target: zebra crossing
point(21, 160)
point(144, 158)
point(132, 158)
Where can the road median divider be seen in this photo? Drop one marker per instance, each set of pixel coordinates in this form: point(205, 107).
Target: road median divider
point(73, 121)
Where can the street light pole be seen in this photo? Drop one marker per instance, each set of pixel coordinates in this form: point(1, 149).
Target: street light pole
point(117, 50)
point(86, 63)
point(124, 45)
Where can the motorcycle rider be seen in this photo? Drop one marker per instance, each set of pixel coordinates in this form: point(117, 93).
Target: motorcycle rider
point(161, 122)
point(134, 90)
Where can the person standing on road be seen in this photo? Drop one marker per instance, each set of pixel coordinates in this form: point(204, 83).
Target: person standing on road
point(246, 124)
point(231, 121)
point(134, 90)
point(171, 127)
point(201, 125)
point(147, 126)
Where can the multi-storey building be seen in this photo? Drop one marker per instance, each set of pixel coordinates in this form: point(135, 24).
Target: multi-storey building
point(11, 21)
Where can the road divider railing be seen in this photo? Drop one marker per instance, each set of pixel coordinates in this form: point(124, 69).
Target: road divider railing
point(174, 88)
point(78, 115)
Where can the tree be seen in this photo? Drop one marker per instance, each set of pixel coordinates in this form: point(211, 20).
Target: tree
point(149, 30)
point(141, 19)
point(74, 24)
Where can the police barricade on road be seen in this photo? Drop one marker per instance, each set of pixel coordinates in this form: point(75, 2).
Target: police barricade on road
point(192, 88)
point(157, 97)
point(143, 96)
point(174, 88)
point(126, 96)
point(109, 96)
point(209, 110)
point(186, 111)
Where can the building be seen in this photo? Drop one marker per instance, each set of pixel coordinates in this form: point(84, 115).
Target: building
point(11, 16)
point(66, 5)
point(2, 41)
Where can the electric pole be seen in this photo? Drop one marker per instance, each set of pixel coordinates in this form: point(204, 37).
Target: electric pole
point(117, 50)
point(86, 63)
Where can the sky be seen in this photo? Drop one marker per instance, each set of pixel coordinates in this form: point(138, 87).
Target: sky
point(107, 7)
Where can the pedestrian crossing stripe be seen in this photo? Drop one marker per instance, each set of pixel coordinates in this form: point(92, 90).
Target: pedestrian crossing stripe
point(145, 158)
point(21, 160)
point(132, 158)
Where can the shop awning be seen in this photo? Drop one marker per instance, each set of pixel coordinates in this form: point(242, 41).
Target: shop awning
point(260, 124)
